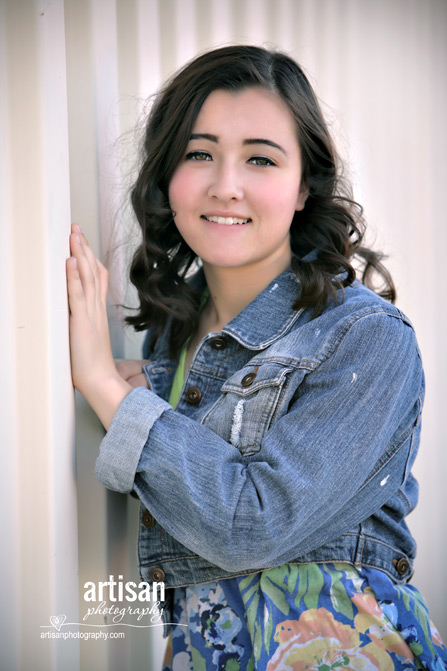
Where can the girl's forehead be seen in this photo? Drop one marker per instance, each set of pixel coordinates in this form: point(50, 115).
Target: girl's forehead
point(252, 108)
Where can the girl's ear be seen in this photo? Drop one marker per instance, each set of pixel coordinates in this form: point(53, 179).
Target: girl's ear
point(302, 197)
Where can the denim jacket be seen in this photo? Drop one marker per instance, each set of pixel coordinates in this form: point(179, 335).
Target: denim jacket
point(292, 441)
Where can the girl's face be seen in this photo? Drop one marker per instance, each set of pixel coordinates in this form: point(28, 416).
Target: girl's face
point(235, 192)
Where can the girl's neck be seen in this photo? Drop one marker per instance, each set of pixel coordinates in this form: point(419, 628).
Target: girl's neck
point(232, 289)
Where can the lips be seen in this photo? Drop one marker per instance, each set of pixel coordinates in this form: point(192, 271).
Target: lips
point(226, 221)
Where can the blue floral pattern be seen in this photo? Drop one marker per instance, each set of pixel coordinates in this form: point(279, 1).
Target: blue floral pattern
point(320, 617)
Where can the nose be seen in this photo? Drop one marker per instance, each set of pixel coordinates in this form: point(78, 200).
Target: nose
point(226, 183)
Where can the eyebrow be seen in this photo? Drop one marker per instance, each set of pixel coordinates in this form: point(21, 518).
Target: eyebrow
point(248, 141)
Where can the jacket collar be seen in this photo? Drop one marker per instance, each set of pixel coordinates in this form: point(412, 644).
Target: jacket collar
point(269, 315)
point(271, 310)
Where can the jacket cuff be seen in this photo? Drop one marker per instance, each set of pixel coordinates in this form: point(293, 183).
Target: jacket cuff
point(120, 449)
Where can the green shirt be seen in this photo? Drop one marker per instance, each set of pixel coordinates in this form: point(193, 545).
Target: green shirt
point(178, 380)
point(179, 376)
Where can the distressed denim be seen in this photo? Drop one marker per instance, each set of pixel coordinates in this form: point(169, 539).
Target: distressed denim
point(293, 441)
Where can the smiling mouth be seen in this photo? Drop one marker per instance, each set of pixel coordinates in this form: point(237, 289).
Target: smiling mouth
point(226, 221)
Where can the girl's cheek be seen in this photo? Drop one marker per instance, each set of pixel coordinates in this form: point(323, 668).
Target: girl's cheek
point(181, 185)
point(274, 197)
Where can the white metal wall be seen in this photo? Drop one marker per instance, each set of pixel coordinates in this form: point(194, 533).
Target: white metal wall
point(72, 75)
point(39, 557)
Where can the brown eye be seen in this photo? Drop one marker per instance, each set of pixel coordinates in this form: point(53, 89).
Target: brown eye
point(262, 161)
point(198, 156)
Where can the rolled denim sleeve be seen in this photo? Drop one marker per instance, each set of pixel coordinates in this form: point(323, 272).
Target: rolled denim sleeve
point(350, 415)
point(122, 445)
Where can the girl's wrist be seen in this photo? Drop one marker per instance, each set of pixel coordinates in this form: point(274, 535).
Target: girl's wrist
point(106, 396)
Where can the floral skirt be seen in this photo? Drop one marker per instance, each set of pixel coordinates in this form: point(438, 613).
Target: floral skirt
point(302, 618)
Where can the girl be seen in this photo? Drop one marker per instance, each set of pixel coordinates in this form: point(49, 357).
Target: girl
point(274, 495)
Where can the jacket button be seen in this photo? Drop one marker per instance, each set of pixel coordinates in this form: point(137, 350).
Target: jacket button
point(402, 566)
point(218, 343)
point(193, 395)
point(247, 380)
point(147, 519)
point(157, 575)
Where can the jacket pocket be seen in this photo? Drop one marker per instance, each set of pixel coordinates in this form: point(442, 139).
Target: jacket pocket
point(251, 400)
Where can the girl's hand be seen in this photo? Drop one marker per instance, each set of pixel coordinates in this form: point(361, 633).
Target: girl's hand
point(131, 371)
point(93, 369)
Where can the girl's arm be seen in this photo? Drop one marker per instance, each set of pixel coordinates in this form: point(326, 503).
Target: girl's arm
point(339, 454)
point(93, 369)
point(131, 370)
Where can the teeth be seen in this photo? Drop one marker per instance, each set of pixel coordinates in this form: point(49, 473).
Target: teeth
point(227, 221)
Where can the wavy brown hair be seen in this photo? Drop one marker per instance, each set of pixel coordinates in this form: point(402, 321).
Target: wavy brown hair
point(331, 221)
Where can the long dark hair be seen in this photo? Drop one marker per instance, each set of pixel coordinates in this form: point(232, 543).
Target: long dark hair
point(331, 221)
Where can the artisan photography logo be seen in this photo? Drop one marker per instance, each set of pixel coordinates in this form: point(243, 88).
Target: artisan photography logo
point(110, 604)
point(109, 596)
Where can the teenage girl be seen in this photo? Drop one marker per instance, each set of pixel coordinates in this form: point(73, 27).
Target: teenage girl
point(271, 428)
